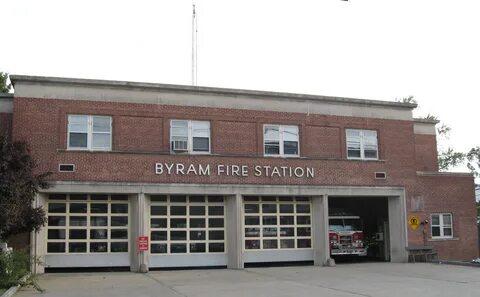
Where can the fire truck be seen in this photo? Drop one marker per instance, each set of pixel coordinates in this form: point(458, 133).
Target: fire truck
point(346, 236)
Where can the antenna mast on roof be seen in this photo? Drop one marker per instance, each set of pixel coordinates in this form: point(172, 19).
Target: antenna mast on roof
point(194, 45)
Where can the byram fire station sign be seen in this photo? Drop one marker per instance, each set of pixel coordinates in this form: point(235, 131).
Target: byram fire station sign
point(233, 170)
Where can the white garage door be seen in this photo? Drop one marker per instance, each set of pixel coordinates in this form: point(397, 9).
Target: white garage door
point(86, 230)
point(187, 231)
point(277, 229)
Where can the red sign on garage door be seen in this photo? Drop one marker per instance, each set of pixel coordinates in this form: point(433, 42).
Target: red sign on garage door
point(142, 243)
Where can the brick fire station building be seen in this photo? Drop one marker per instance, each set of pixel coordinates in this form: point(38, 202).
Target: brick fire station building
point(226, 177)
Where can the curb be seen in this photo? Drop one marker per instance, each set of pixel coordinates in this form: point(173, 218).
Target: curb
point(459, 263)
point(10, 292)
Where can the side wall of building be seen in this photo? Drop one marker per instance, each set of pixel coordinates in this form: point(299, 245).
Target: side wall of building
point(426, 152)
point(5, 124)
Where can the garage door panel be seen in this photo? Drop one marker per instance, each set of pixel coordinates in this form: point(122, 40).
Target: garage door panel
point(100, 260)
point(278, 256)
point(187, 231)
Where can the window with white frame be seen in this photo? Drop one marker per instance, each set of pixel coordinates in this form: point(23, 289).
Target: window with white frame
point(362, 144)
point(87, 132)
point(280, 140)
point(442, 225)
point(190, 136)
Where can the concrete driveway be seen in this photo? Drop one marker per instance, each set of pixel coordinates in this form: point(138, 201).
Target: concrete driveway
point(366, 279)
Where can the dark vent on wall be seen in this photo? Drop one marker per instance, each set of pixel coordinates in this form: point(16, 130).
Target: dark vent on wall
point(380, 175)
point(66, 167)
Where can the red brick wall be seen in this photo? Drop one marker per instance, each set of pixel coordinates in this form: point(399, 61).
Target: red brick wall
point(140, 129)
point(6, 124)
point(446, 194)
point(426, 152)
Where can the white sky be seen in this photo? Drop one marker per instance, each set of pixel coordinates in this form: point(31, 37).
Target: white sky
point(373, 49)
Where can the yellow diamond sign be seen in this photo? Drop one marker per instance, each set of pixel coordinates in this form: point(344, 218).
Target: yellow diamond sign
point(414, 222)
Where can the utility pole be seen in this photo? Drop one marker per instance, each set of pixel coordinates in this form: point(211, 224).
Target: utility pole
point(194, 46)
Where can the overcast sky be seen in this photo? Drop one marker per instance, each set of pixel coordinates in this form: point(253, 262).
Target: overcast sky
point(372, 49)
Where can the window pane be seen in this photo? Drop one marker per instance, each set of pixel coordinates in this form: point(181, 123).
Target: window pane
point(370, 154)
point(178, 198)
point(119, 197)
point(98, 234)
point(271, 133)
point(178, 235)
point(78, 208)
point(435, 231)
point(435, 220)
point(290, 148)
point(101, 140)
point(156, 248)
point(197, 235)
point(78, 221)
point(272, 148)
point(269, 232)
point(287, 232)
point(215, 199)
point(303, 208)
point(56, 234)
point(56, 221)
point(78, 123)
point(287, 220)
point(252, 244)
point(119, 221)
point(178, 223)
point(98, 221)
point(354, 153)
point(197, 210)
point(201, 129)
point(98, 247)
point(201, 144)
point(270, 244)
point(267, 220)
point(304, 243)
point(447, 231)
point(177, 248)
point(215, 223)
point(118, 234)
point(57, 208)
point(304, 232)
point(78, 234)
point(447, 220)
point(57, 196)
point(158, 198)
point(99, 197)
point(159, 235)
point(252, 221)
point(178, 210)
point(197, 247)
point(197, 198)
point(252, 232)
point(290, 133)
point(101, 124)
point(119, 247)
point(78, 140)
point(78, 196)
point(56, 247)
point(119, 208)
point(287, 243)
point(158, 210)
point(303, 220)
point(197, 223)
point(158, 223)
point(99, 208)
point(216, 247)
point(179, 128)
point(215, 235)
point(269, 208)
point(77, 247)
point(251, 208)
point(215, 210)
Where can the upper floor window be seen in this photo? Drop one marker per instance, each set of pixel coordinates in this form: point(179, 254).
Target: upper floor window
point(362, 144)
point(190, 136)
point(442, 225)
point(280, 140)
point(87, 132)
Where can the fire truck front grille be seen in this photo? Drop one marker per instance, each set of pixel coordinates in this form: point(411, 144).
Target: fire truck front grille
point(345, 239)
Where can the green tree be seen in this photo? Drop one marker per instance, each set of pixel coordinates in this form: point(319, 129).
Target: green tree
point(473, 161)
point(18, 188)
point(4, 86)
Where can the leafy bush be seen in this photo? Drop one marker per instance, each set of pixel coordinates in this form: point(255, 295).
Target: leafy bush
point(13, 267)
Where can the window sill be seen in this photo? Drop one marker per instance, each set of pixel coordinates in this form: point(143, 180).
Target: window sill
point(443, 239)
point(283, 156)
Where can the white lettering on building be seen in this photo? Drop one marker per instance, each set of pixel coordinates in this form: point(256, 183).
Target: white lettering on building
point(234, 170)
